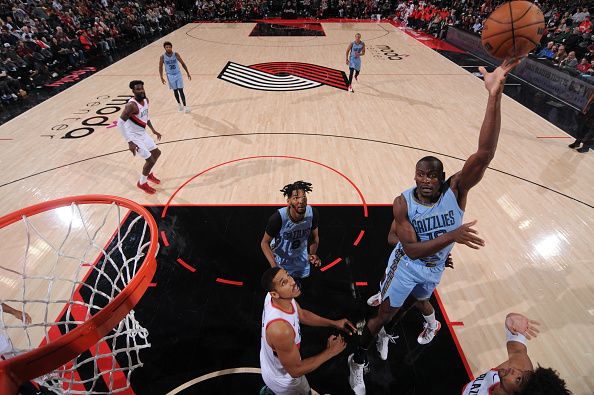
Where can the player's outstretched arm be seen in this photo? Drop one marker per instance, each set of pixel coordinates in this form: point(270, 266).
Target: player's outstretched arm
point(19, 315)
point(181, 61)
point(161, 69)
point(416, 249)
point(281, 337)
point(518, 329)
point(475, 166)
point(309, 318)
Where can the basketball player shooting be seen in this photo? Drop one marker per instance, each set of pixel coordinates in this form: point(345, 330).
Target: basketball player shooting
point(132, 124)
point(517, 375)
point(428, 219)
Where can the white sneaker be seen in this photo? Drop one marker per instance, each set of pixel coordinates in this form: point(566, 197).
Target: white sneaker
point(186, 109)
point(383, 339)
point(356, 376)
point(375, 300)
point(428, 334)
point(180, 108)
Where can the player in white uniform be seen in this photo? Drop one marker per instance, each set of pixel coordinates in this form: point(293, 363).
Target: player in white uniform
point(517, 376)
point(132, 124)
point(283, 370)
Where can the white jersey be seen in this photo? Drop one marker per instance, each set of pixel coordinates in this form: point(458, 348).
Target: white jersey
point(274, 374)
point(136, 124)
point(483, 384)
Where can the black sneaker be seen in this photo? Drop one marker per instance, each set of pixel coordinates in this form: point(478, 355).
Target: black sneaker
point(575, 144)
point(585, 148)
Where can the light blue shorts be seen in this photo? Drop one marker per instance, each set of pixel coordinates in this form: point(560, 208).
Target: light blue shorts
point(296, 267)
point(175, 82)
point(407, 277)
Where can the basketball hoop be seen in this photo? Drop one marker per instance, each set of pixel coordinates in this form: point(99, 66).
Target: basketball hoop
point(98, 296)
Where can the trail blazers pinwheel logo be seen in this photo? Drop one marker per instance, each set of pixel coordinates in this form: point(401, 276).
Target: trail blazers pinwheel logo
point(283, 76)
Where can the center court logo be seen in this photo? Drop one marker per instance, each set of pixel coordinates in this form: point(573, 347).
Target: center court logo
point(283, 76)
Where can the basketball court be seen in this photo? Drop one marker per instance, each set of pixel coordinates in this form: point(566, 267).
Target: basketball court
point(269, 106)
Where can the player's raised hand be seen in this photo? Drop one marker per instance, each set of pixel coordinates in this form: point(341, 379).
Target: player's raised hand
point(335, 345)
point(518, 323)
point(495, 81)
point(132, 147)
point(465, 234)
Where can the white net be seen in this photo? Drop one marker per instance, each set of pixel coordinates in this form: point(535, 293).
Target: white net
point(57, 270)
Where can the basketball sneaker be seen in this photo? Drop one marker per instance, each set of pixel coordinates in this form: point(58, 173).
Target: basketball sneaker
point(186, 109)
point(375, 300)
point(428, 334)
point(180, 108)
point(575, 144)
point(146, 187)
point(151, 177)
point(383, 340)
point(356, 376)
point(351, 89)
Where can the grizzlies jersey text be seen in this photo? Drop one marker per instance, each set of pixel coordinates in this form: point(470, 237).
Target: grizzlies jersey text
point(171, 64)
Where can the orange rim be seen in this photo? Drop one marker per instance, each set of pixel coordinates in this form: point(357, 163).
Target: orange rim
point(50, 356)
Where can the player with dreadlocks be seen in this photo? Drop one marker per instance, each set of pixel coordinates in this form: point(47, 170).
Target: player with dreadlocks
point(291, 238)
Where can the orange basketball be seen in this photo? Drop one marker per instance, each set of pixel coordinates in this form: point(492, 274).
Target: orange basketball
point(513, 29)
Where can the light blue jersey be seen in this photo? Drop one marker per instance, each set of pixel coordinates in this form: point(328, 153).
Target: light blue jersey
point(290, 245)
point(431, 221)
point(419, 277)
point(174, 75)
point(355, 55)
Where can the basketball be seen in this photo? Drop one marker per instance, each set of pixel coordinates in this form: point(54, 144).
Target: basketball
point(513, 29)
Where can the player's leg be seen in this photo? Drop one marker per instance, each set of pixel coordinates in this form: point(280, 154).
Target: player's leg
point(180, 107)
point(357, 75)
point(588, 140)
point(182, 95)
point(147, 150)
point(351, 71)
point(396, 287)
point(422, 293)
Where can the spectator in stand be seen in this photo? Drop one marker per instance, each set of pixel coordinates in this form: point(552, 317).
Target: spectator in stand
point(570, 62)
point(560, 54)
point(583, 66)
point(586, 25)
point(548, 51)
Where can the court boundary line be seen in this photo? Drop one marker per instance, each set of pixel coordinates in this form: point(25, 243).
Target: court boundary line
point(309, 135)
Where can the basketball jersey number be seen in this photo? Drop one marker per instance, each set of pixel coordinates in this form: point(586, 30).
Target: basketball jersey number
point(172, 67)
point(436, 234)
point(295, 244)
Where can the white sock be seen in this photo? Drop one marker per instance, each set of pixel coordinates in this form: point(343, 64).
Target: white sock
point(143, 179)
point(430, 319)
